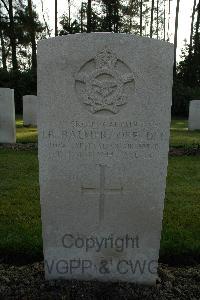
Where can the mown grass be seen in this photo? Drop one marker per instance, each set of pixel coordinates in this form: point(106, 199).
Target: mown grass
point(25, 134)
point(181, 223)
point(20, 225)
point(180, 136)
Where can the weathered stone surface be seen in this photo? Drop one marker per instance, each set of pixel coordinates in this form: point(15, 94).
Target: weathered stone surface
point(194, 115)
point(7, 116)
point(30, 110)
point(104, 119)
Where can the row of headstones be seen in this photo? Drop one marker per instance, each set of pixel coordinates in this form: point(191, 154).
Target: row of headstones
point(7, 114)
point(30, 112)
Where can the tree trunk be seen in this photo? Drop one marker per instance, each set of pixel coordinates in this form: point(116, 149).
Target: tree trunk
point(169, 16)
point(164, 21)
point(69, 15)
point(157, 19)
point(32, 35)
point(116, 16)
point(81, 16)
point(176, 35)
point(44, 19)
point(151, 24)
point(12, 36)
point(192, 27)
point(130, 5)
point(3, 51)
point(56, 17)
point(141, 12)
point(109, 16)
point(196, 37)
point(89, 16)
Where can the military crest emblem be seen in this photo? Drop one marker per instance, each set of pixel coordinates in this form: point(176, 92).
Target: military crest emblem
point(101, 82)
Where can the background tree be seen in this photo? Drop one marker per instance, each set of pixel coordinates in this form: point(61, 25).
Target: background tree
point(176, 34)
point(168, 21)
point(69, 16)
point(89, 15)
point(20, 75)
point(152, 18)
point(56, 17)
point(196, 37)
point(3, 27)
point(141, 17)
point(69, 27)
point(28, 29)
point(8, 5)
point(31, 29)
point(111, 19)
point(20, 28)
point(12, 33)
point(192, 27)
point(164, 19)
point(132, 17)
point(44, 19)
point(187, 80)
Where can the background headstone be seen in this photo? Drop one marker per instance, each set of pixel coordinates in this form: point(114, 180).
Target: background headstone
point(30, 110)
point(104, 120)
point(194, 115)
point(7, 116)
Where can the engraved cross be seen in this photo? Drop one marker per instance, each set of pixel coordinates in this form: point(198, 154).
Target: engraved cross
point(101, 190)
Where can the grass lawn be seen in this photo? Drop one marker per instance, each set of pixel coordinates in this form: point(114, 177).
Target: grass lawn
point(25, 134)
point(20, 225)
point(181, 223)
point(180, 136)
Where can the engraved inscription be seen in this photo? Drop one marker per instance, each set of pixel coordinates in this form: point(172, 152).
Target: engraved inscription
point(101, 190)
point(101, 83)
point(129, 140)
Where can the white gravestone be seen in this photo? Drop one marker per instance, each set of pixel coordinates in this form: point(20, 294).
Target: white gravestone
point(7, 116)
point(30, 110)
point(194, 115)
point(104, 120)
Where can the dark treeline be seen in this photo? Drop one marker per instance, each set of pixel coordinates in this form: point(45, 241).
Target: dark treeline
point(20, 28)
point(187, 75)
